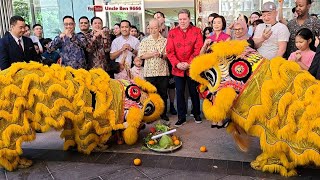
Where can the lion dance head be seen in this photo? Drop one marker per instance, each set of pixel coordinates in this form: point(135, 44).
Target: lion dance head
point(222, 75)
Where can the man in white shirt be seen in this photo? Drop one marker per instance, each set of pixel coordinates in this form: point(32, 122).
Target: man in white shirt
point(124, 47)
point(271, 37)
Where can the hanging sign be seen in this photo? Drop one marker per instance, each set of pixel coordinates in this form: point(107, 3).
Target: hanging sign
point(115, 8)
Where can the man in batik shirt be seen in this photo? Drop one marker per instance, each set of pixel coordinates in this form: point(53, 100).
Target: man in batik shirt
point(71, 45)
point(100, 47)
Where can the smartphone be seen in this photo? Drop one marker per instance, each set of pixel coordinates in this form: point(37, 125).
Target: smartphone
point(268, 27)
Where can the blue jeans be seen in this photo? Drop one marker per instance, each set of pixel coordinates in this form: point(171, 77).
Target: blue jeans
point(181, 102)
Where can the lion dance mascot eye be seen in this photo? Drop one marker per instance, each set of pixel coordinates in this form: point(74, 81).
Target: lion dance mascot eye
point(86, 105)
point(271, 99)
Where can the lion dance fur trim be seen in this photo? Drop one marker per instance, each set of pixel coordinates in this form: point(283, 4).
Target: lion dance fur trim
point(278, 102)
point(36, 97)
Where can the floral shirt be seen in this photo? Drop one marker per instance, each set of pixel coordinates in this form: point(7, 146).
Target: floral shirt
point(97, 57)
point(293, 26)
point(154, 66)
point(71, 50)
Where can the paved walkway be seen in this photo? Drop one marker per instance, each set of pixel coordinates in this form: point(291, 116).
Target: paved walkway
point(220, 145)
point(222, 161)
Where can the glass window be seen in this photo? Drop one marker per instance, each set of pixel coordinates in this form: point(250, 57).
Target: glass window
point(47, 14)
point(231, 9)
point(50, 13)
point(22, 8)
point(287, 8)
point(315, 8)
point(134, 18)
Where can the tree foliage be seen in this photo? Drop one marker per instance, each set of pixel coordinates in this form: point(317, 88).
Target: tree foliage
point(21, 8)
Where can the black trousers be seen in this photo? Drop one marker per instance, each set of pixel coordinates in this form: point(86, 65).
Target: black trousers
point(161, 83)
point(181, 100)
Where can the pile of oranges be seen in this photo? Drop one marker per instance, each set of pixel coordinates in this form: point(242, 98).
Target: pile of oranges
point(174, 138)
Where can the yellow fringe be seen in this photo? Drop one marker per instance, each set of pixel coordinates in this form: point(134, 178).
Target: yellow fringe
point(220, 108)
point(145, 85)
point(37, 97)
point(134, 117)
point(285, 115)
point(158, 103)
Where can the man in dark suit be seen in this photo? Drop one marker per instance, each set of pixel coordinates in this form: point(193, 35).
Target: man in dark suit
point(14, 47)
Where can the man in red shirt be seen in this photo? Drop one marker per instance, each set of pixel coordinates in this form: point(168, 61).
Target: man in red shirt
point(184, 43)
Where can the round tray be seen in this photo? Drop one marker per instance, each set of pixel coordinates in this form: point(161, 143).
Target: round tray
point(170, 149)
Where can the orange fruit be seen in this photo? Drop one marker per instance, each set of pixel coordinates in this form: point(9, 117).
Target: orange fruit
point(151, 142)
point(176, 142)
point(137, 162)
point(203, 149)
point(120, 141)
point(174, 138)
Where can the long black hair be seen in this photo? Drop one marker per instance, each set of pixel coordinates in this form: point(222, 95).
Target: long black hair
point(204, 32)
point(307, 34)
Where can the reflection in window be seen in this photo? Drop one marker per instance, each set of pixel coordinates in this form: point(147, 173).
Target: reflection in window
point(22, 8)
point(50, 13)
point(134, 18)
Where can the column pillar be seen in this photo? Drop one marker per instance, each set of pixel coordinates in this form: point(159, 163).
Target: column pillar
point(6, 12)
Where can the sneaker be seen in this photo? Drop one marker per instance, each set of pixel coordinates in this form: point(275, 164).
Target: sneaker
point(180, 122)
point(197, 119)
point(173, 111)
point(164, 117)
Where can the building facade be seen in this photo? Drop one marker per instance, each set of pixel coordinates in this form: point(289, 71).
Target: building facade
point(138, 12)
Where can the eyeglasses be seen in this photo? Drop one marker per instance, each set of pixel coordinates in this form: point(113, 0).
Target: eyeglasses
point(83, 22)
point(68, 24)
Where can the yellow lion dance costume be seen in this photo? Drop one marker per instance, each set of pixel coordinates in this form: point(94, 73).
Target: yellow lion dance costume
point(272, 99)
point(36, 97)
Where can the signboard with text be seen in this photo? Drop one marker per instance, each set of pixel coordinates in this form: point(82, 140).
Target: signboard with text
point(115, 8)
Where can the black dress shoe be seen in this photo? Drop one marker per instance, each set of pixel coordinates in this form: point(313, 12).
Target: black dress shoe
point(164, 117)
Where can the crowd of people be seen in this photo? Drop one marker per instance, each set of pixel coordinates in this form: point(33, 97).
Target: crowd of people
point(163, 55)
